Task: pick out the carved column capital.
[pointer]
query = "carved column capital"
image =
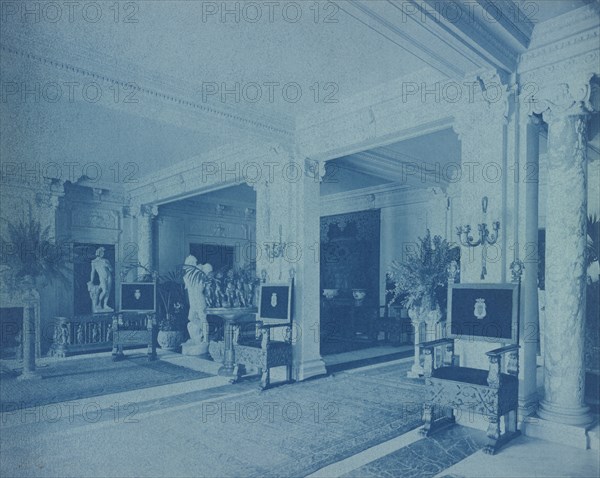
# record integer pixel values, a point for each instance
(577, 96)
(314, 169)
(148, 210)
(151, 210)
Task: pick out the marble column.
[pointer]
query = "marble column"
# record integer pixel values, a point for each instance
(145, 236)
(290, 200)
(564, 373)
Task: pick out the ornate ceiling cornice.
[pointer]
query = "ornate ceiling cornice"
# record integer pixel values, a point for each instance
(221, 167)
(406, 41)
(494, 52)
(562, 47)
(465, 38)
(152, 85)
(376, 197)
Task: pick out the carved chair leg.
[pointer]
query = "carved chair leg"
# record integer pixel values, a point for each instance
(493, 434)
(510, 422)
(236, 374)
(428, 412)
(118, 355)
(288, 373)
(151, 351)
(265, 379)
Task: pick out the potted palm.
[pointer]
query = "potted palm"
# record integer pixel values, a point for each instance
(419, 284)
(31, 260)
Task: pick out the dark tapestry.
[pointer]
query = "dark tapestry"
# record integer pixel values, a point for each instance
(350, 253)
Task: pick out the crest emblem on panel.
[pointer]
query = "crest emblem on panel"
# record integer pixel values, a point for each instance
(274, 299)
(480, 311)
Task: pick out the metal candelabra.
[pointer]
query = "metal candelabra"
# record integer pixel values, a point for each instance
(485, 237)
(276, 249)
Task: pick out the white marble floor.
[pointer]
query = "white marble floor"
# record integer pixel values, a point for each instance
(528, 457)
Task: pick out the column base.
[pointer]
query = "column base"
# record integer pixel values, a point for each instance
(29, 375)
(569, 435)
(578, 416)
(310, 369)
(416, 371)
(196, 350)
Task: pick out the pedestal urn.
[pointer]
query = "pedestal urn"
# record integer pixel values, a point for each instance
(230, 316)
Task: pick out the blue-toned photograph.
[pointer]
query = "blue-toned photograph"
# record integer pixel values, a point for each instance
(316, 238)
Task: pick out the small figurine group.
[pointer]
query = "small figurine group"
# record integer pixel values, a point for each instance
(80, 334)
(229, 291)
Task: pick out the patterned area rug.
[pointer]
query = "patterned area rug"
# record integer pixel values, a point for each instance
(290, 431)
(90, 377)
(364, 409)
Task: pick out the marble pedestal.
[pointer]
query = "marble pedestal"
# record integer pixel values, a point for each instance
(570, 435)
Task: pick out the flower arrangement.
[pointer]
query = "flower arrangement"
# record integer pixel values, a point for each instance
(420, 278)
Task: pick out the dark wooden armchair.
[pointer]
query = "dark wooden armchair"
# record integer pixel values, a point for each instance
(133, 329)
(492, 393)
(135, 324)
(266, 342)
(265, 352)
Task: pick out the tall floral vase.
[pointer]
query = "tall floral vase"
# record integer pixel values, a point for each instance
(425, 322)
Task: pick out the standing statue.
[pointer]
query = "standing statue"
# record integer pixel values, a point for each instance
(197, 325)
(100, 293)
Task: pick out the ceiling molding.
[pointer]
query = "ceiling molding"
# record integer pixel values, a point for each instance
(562, 46)
(388, 164)
(464, 43)
(397, 34)
(375, 197)
(155, 87)
(502, 12)
(216, 169)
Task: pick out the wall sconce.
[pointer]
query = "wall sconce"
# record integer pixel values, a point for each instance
(276, 249)
(485, 238)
